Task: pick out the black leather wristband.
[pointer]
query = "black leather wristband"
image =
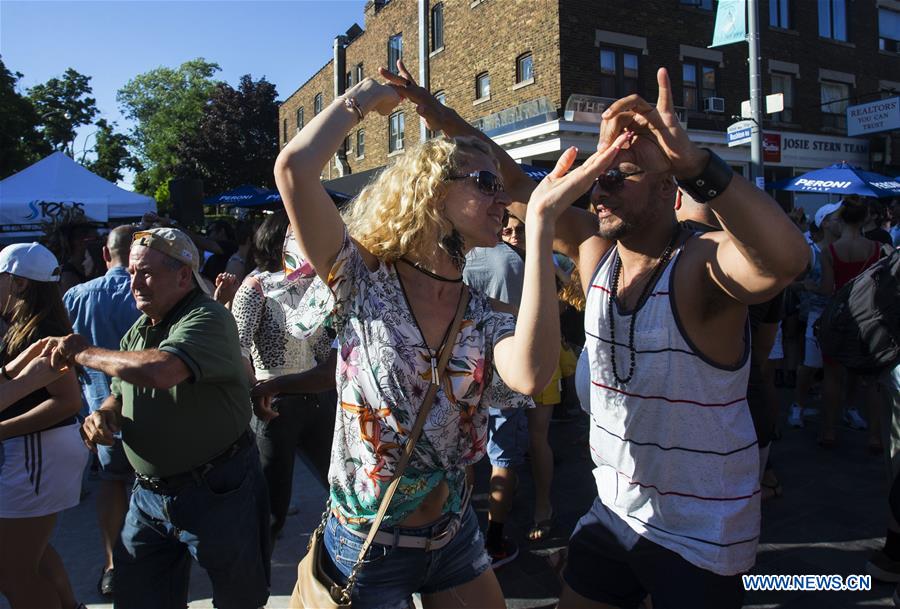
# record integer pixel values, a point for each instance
(711, 182)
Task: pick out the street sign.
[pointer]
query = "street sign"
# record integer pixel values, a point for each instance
(739, 133)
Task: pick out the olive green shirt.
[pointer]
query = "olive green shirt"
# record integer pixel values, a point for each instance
(170, 431)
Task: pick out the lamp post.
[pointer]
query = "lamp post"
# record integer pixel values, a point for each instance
(757, 171)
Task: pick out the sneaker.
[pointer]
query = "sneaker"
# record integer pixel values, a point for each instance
(882, 568)
(507, 553)
(795, 418)
(105, 585)
(854, 420)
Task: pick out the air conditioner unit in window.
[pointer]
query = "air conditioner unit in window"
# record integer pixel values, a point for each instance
(714, 104)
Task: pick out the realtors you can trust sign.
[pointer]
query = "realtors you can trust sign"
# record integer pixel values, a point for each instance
(874, 117)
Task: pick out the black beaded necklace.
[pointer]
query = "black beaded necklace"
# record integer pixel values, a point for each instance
(613, 292)
(431, 274)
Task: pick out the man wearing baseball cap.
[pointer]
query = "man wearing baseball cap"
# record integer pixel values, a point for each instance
(180, 396)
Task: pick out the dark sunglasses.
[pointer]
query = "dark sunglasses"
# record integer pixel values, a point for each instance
(612, 180)
(487, 182)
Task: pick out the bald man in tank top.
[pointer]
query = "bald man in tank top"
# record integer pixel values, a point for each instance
(675, 452)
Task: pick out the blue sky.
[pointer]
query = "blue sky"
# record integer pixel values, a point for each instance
(113, 41)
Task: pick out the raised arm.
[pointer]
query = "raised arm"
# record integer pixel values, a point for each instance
(64, 401)
(315, 220)
(526, 361)
(573, 227)
(762, 251)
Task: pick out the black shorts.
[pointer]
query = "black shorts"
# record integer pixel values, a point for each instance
(609, 563)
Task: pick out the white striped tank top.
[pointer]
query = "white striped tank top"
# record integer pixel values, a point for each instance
(675, 450)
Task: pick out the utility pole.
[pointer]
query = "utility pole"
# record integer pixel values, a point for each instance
(757, 173)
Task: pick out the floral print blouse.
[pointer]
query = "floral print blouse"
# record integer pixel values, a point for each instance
(383, 372)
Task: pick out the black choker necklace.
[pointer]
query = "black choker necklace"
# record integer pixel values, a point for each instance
(431, 274)
(613, 292)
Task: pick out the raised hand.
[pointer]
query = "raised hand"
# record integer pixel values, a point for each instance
(226, 287)
(561, 188)
(373, 95)
(428, 107)
(659, 123)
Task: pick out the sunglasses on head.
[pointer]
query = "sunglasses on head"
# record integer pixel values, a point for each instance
(487, 182)
(612, 180)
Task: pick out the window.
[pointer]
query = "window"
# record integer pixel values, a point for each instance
(706, 5)
(359, 72)
(395, 51)
(437, 27)
(784, 84)
(442, 98)
(780, 14)
(834, 104)
(299, 119)
(360, 143)
(888, 30)
(396, 127)
(317, 104)
(618, 72)
(284, 135)
(698, 83)
(349, 80)
(833, 19)
(525, 68)
(483, 86)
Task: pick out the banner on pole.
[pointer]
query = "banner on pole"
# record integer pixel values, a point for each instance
(731, 23)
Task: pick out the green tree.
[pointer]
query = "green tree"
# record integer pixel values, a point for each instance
(111, 150)
(237, 140)
(63, 105)
(21, 143)
(166, 106)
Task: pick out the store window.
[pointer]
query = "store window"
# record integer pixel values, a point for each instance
(618, 72)
(396, 126)
(482, 86)
(781, 14)
(437, 27)
(395, 51)
(525, 68)
(784, 83)
(833, 19)
(834, 104)
(698, 83)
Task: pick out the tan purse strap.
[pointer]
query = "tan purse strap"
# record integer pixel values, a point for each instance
(410, 445)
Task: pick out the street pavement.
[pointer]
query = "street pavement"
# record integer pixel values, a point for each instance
(830, 517)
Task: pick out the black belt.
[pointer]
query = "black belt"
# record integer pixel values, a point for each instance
(172, 485)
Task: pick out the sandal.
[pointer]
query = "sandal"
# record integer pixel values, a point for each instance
(541, 528)
(768, 488)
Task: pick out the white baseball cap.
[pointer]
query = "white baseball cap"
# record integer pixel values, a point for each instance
(825, 211)
(31, 261)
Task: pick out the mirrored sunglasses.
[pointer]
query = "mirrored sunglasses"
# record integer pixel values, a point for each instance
(612, 180)
(488, 183)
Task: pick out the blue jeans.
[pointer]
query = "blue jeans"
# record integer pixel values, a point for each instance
(390, 575)
(507, 437)
(222, 520)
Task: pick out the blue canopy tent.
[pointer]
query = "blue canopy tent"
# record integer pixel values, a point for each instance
(842, 179)
(252, 197)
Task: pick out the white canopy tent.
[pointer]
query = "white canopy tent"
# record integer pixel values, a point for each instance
(42, 191)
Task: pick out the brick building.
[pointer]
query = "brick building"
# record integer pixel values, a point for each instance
(536, 74)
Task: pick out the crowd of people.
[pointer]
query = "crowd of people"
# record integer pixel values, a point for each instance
(446, 314)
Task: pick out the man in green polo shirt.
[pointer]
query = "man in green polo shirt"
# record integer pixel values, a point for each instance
(181, 400)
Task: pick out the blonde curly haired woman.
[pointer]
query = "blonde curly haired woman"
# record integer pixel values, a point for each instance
(391, 280)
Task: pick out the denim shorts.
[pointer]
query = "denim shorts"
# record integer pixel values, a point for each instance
(114, 464)
(608, 562)
(390, 575)
(507, 437)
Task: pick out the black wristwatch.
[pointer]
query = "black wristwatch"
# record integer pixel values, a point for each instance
(711, 182)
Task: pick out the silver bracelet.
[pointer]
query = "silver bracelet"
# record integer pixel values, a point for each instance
(351, 103)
